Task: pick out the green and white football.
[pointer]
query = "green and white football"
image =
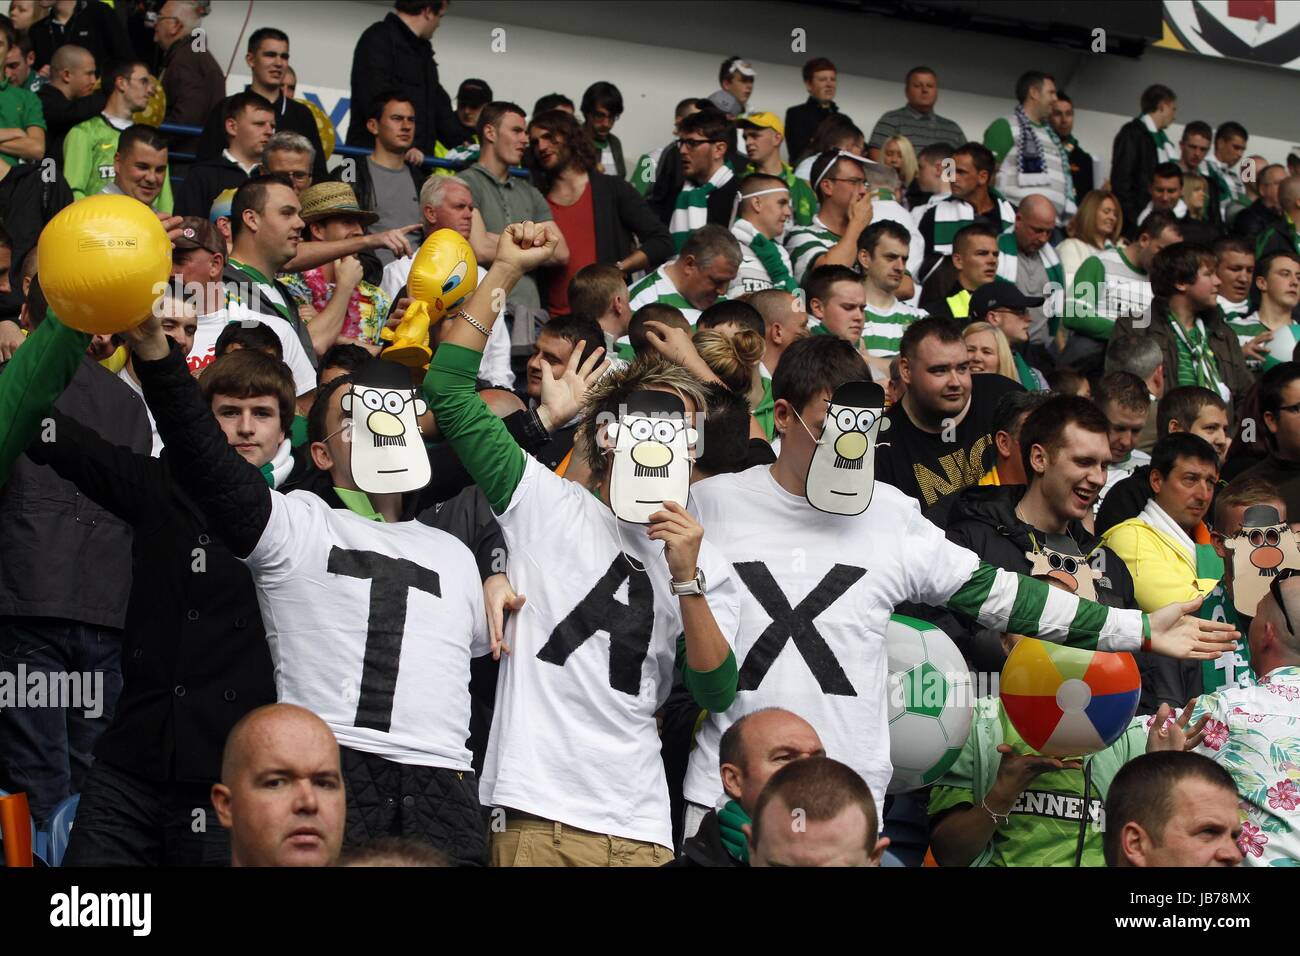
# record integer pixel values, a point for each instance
(931, 702)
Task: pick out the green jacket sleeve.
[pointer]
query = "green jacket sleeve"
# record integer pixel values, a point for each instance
(165, 202)
(76, 161)
(713, 690)
(37, 375)
(480, 439)
(1081, 311)
(998, 138)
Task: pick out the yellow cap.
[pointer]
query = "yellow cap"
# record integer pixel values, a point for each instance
(762, 121)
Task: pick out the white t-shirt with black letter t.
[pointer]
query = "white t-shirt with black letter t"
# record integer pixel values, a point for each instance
(372, 627)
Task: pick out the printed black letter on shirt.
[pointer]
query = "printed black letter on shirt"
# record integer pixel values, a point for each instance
(390, 580)
(629, 625)
(796, 623)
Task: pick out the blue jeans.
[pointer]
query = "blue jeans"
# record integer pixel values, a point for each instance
(46, 742)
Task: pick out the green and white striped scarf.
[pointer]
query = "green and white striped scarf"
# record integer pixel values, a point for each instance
(951, 214)
(1008, 268)
(1166, 151)
(691, 211)
(1196, 363)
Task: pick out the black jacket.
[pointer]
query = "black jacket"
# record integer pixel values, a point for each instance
(28, 200)
(669, 179)
(1222, 340)
(1125, 500)
(801, 122)
(290, 117)
(1080, 169)
(194, 651)
(705, 848)
(388, 55)
(984, 519)
(1256, 219)
(364, 186)
(237, 288)
(61, 554)
(203, 181)
(1133, 159)
(61, 114)
(624, 221)
(94, 26)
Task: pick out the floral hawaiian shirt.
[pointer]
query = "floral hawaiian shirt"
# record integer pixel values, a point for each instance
(1254, 734)
(367, 310)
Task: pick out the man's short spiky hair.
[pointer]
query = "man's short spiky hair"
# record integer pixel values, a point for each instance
(607, 397)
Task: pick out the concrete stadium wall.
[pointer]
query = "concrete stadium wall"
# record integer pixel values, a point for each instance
(661, 51)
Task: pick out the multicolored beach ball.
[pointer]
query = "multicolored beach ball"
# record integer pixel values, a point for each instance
(1067, 701)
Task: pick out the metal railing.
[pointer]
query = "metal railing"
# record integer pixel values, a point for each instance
(340, 149)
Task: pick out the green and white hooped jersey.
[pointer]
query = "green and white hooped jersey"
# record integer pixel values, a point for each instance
(1106, 288)
(884, 328)
(657, 287)
(806, 243)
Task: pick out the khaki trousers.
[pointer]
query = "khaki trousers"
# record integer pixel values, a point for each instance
(528, 841)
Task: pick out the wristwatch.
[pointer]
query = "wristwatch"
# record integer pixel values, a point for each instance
(694, 586)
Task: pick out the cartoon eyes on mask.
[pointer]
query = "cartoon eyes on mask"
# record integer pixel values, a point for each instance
(664, 432)
(392, 402)
(642, 430)
(457, 276)
(1260, 536)
(1060, 562)
(848, 420)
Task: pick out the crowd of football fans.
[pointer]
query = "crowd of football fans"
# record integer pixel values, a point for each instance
(1089, 379)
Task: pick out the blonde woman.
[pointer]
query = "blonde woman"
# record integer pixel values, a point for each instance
(1096, 227)
(733, 357)
(989, 351)
(898, 154)
(1195, 189)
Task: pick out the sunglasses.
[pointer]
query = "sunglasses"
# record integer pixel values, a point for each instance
(1275, 589)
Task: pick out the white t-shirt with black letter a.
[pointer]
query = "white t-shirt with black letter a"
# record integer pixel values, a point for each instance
(372, 627)
(592, 653)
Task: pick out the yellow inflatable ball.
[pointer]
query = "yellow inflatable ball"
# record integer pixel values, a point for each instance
(155, 109)
(328, 136)
(104, 261)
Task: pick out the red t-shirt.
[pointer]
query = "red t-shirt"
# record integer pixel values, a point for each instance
(578, 225)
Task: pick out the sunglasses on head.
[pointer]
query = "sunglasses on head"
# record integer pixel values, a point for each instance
(1275, 589)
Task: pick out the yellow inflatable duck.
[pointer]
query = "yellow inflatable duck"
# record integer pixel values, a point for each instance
(443, 275)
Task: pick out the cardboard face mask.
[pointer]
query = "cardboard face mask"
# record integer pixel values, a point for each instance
(842, 473)
(1071, 571)
(387, 450)
(651, 443)
(1263, 547)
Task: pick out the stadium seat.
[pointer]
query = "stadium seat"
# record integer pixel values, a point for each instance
(58, 831)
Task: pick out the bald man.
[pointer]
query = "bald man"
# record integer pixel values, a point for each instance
(1251, 729)
(281, 790)
(1026, 259)
(815, 812)
(1281, 237)
(69, 97)
(751, 750)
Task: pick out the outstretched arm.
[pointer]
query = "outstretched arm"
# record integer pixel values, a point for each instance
(482, 442)
(231, 492)
(37, 375)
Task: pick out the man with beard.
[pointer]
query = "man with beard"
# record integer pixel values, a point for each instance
(601, 216)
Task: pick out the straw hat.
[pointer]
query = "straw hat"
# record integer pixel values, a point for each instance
(329, 199)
